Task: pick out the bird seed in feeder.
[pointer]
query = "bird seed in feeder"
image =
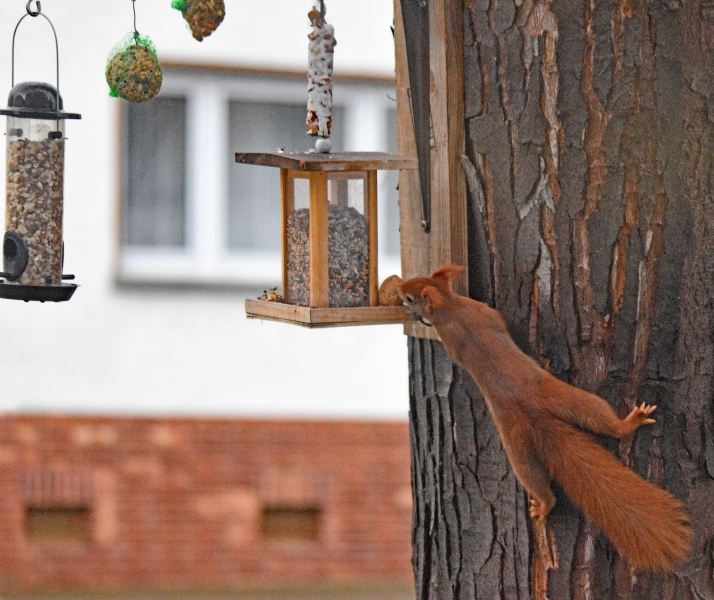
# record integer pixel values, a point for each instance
(347, 252)
(34, 206)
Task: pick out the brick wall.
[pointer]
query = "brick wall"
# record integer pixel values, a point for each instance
(123, 503)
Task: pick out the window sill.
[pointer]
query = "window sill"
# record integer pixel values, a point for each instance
(181, 267)
(174, 269)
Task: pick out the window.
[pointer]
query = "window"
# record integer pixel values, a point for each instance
(291, 523)
(253, 223)
(57, 524)
(190, 214)
(57, 505)
(156, 200)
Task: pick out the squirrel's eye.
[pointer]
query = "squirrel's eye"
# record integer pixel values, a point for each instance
(409, 298)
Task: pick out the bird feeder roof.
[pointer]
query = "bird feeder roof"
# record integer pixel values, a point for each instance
(339, 161)
(36, 100)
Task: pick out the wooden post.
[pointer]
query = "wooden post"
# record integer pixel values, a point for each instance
(338, 193)
(447, 242)
(287, 207)
(370, 211)
(319, 250)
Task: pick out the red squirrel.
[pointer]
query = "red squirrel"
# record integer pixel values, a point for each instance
(542, 422)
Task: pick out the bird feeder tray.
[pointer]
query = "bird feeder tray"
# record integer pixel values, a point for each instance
(325, 317)
(329, 238)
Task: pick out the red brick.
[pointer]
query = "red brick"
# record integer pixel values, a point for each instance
(178, 502)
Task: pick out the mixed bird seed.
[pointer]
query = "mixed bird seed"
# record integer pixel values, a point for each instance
(348, 257)
(34, 206)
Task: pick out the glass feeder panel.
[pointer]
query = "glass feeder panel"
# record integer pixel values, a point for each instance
(33, 208)
(348, 257)
(301, 198)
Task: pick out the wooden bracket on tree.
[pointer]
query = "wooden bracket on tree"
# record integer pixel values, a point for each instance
(446, 241)
(415, 19)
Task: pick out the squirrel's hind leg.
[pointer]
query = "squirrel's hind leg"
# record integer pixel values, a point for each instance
(533, 476)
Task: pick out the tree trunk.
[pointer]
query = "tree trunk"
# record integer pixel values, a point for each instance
(589, 135)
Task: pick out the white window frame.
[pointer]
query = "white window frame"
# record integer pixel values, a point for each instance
(206, 258)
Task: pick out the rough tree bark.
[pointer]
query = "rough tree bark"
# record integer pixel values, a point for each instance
(589, 127)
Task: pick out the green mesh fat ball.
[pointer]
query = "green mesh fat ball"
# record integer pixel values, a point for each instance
(133, 70)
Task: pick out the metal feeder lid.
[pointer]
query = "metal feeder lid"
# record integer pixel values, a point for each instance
(36, 100)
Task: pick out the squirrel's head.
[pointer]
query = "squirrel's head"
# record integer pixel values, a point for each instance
(423, 296)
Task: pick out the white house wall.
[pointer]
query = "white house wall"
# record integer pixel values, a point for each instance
(157, 351)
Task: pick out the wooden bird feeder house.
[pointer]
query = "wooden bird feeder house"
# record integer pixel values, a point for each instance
(329, 239)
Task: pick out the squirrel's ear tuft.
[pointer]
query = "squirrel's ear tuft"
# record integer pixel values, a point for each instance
(432, 297)
(443, 276)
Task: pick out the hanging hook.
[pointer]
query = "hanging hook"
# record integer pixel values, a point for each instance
(323, 10)
(33, 13)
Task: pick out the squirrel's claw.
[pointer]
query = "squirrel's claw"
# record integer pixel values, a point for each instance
(537, 509)
(638, 416)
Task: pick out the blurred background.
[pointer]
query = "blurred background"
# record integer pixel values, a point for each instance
(152, 439)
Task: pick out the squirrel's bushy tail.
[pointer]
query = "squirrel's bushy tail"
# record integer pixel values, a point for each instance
(645, 523)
